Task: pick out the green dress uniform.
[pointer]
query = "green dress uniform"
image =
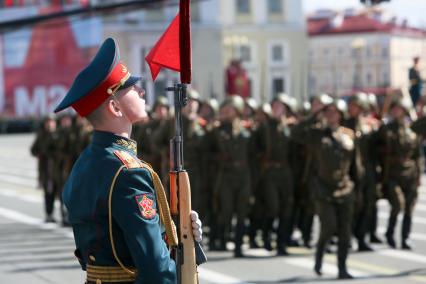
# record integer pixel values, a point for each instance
(334, 152)
(136, 238)
(116, 203)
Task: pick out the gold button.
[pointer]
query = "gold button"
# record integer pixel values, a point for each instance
(92, 258)
(98, 281)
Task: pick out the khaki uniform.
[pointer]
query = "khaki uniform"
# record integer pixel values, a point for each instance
(308, 185)
(277, 179)
(148, 151)
(231, 145)
(64, 159)
(365, 179)
(402, 167)
(194, 156)
(334, 150)
(44, 148)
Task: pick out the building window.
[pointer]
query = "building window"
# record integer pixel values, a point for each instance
(369, 79)
(275, 6)
(243, 6)
(278, 86)
(368, 52)
(277, 53)
(245, 53)
(385, 52)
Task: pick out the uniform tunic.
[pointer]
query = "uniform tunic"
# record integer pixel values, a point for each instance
(136, 230)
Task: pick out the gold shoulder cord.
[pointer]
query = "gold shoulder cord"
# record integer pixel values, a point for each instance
(164, 213)
(163, 205)
(130, 272)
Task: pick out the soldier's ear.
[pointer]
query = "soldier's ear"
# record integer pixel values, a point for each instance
(113, 107)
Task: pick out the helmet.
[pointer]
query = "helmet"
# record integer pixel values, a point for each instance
(372, 100)
(161, 101)
(340, 104)
(323, 98)
(290, 102)
(360, 99)
(305, 107)
(252, 103)
(214, 104)
(235, 101)
(403, 102)
(193, 95)
(266, 109)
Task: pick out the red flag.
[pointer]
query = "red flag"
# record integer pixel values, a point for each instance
(173, 50)
(166, 53)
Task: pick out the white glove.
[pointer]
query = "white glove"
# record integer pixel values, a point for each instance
(197, 230)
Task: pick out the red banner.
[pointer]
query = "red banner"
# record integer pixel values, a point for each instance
(52, 61)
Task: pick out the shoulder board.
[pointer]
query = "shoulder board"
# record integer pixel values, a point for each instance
(128, 160)
(348, 131)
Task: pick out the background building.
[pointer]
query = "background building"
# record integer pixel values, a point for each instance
(267, 36)
(367, 49)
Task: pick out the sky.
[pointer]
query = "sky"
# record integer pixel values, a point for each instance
(412, 10)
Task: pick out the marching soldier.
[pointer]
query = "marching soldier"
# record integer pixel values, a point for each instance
(365, 184)
(44, 148)
(402, 168)
(334, 147)
(277, 175)
(231, 146)
(82, 136)
(194, 147)
(309, 171)
(64, 159)
(373, 119)
(113, 198)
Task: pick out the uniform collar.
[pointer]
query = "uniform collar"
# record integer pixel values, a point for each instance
(108, 139)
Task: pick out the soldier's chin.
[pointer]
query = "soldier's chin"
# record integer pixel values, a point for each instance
(141, 116)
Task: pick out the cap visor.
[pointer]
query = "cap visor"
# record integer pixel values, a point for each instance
(130, 82)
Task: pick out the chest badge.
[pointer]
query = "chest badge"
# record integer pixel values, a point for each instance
(146, 205)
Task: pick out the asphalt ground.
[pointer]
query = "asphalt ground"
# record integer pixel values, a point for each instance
(34, 252)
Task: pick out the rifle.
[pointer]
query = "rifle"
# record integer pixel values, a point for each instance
(188, 253)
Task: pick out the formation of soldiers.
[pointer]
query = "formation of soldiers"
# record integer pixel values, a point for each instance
(58, 144)
(264, 171)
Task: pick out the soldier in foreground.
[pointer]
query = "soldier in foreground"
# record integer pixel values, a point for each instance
(334, 148)
(111, 195)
